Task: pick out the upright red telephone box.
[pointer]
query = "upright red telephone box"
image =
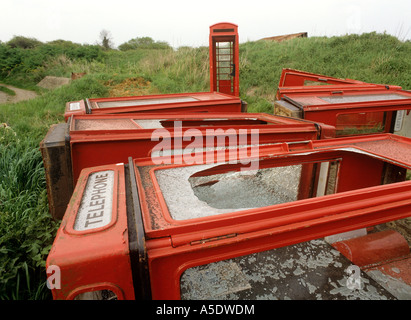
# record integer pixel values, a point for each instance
(224, 58)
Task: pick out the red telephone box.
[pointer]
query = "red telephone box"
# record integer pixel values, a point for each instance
(352, 113)
(135, 229)
(297, 78)
(224, 58)
(93, 140)
(353, 107)
(295, 81)
(194, 102)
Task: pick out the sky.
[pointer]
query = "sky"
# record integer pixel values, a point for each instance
(187, 22)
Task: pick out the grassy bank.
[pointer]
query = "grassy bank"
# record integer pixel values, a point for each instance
(7, 91)
(26, 230)
(376, 58)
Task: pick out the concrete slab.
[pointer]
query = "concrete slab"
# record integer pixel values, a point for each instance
(50, 82)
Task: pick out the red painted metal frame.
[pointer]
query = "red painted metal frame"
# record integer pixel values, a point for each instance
(174, 246)
(297, 78)
(334, 89)
(293, 81)
(374, 248)
(308, 100)
(205, 102)
(97, 147)
(316, 109)
(80, 255)
(79, 110)
(224, 32)
(386, 251)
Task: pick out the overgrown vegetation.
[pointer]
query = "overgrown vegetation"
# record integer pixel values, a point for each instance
(26, 63)
(26, 232)
(143, 43)
(7, 91)
(26, 229)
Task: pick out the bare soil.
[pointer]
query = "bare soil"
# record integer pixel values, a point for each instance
(130, 87)
(21, 95)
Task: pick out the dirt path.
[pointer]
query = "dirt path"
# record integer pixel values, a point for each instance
(21, 95)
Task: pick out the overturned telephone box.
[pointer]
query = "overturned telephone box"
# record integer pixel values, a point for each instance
(93, 140)
(296, 81)
(165, 103)
(153, 229)
(353, 107)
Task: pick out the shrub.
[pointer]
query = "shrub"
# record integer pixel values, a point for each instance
(23, 42)
(143, 43)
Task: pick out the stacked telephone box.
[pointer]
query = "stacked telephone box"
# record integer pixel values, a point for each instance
(353, 107)
(188, 196)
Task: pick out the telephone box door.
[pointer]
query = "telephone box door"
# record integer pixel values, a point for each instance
(224, 58)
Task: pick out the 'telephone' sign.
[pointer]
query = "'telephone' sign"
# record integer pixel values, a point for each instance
(97, 203)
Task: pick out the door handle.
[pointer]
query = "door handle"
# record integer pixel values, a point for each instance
(233, 72)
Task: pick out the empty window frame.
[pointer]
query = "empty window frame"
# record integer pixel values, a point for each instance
(360, 123)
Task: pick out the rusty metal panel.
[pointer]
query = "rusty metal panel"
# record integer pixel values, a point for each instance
(55, 150)
(287, 109)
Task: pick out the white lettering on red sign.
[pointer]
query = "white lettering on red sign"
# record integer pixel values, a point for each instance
(97, 203)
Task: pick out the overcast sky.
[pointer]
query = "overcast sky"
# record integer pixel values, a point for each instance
(186, 22)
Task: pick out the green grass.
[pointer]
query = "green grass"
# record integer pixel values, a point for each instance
(7, 91)
(371, 57)
(26, 229)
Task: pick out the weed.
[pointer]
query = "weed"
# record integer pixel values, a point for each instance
(26, 228)
(7, 91)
